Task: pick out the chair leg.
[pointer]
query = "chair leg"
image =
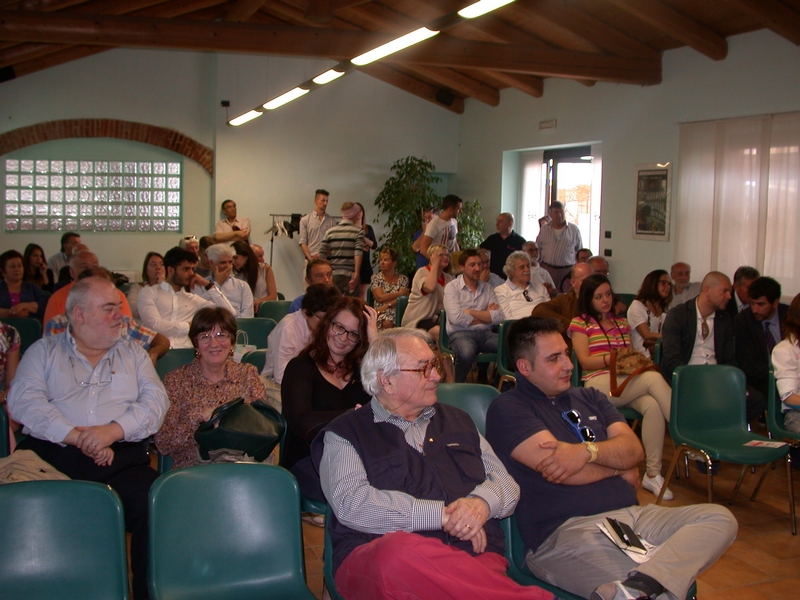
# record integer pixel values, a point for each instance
(739, 484)
(672, 467)
(758, 485)
(791, 493)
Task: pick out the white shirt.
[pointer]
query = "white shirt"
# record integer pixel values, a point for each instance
(541, 275)
(284, 343)
(786, 361)
(511, 299)
(704, 352)
(313, 229)
(458, 298)
(225, 227)
(443, 232)
(169, 312)
(238, 294)
(639, 314)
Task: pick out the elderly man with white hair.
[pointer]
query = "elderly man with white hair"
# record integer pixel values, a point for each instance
(518, 295)
(238, 293)
(415, 490)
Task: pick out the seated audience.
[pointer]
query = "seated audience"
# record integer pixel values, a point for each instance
(757, 329)
(190, 243)
(57, 261)
(318, 270)
(682, 289)
(80, 261)
(237, 291)
(294, 332)
(36, 271)
(210, 380)
(415, 490)
(168, 308)
(786, 361)
(387, 286)
(740, 297)
(539, 273)
(502, 243)
(427, 292)
(323, 382)
(518, 295)
(576, 461)
(583, 255)
(648, 311)
(595, 333)
(18, 298)
(258, 275)
(203, 268)
(66, 275)
(152, 274)
(89, 403)
(564, 308)
(486, 274)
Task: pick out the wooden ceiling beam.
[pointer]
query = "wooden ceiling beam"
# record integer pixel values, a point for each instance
(529, 84)
(773, 14)
(319, 11)
(68, 54)
(412, 85)
(242, 10)
(676, 25)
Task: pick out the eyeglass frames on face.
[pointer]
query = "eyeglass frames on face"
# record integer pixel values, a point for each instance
(220, 336)
(573, 418)
(101, 383)
(427, 369)
(338, 329)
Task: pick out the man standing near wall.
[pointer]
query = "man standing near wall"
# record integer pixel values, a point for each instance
(232, 228)
(558, 243)
(443, 227)
(313, 228)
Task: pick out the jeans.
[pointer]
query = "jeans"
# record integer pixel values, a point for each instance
(467, 344)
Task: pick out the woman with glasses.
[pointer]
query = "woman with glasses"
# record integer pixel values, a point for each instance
(323, 382)
(647, 313)
(211, 380)
(595, 332)
(153, 273)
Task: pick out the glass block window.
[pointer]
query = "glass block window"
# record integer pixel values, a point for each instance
(86, 195)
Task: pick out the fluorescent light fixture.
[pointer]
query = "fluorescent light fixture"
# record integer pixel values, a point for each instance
(482, 7)
(409, 39)
(285, 98)
(327, 77)
(245, 118)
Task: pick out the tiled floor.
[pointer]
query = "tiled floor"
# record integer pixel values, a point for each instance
(762, 564)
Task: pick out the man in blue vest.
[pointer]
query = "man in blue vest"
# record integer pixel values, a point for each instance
(415, 490)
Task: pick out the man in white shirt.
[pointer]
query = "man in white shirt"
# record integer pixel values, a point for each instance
(168, 307)
(232, 228)
(443, 227)
(518, 296)
(682, 289)
(237, 291)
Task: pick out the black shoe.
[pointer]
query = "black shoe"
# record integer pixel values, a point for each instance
(715, 466)
(794, 454)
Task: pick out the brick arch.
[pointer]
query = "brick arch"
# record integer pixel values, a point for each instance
(109, 128)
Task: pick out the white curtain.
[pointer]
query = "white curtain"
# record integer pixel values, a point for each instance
(738, 197)
(532, 175)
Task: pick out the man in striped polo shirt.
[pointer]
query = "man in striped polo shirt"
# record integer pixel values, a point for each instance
(558, 244)
(342, 245)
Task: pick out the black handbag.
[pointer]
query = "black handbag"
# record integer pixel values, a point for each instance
(254, 429)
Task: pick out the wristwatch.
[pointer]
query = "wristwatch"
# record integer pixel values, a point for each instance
(592, 448)
(209, 286)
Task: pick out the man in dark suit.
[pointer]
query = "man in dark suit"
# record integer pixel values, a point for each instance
(700, 332)
(743, 278)
(757, 329)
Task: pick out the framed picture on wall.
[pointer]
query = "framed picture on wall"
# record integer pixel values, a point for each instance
(653, 202)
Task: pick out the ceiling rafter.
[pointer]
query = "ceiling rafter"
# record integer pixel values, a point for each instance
(773, 14)
(242, 10)
(677, 25)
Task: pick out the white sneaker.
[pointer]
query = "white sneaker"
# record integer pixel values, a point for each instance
(654, 484)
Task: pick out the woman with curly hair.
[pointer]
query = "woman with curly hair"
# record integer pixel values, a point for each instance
(648, 311)
(259, 276)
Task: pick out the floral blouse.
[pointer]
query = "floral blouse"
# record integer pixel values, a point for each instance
(379, 281)
(190, 393)
(9, 341)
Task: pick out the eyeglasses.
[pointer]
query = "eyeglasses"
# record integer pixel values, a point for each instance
(427, 369)
(338, 329)
(220, 336)
(527, 296)
(664, 282)
(573, 419)
(86, 384)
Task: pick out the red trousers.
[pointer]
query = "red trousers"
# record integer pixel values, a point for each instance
(408, 566)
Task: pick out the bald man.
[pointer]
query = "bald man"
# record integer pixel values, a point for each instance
(501, 244)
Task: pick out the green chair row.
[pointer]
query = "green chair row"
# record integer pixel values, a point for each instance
(274, 309)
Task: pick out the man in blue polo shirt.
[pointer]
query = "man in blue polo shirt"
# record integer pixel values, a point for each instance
(577, 463)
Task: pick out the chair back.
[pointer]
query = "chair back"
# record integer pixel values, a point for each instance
(775, 414)
(29, 330)
(257, 358)
(399, 310)
(504, 367)
(62, 540)
(226, 531)
(281, 296)
(257, 329)
(444, 337)
(627, 298)
(707, 398)
(577, 371)
(174, 358)
(5, 439)
(473, 398)
(274, 309)
(370, 297)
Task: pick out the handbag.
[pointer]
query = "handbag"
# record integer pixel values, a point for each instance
(254, 429)
(631, 370)
(239, 350)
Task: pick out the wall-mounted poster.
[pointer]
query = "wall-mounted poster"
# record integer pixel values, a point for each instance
(653, 199)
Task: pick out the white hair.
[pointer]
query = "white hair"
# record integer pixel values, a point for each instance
(382, 357)
(511, 261)
(217, 251)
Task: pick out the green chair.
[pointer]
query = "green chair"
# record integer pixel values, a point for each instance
(473, 398)
(775, 414)
(257, 330)
(281, 296)
(327, 562)
(708, 416)
(5, 446)
(627, 298)
(29, 330)
(257, 358)
(399, 310)
(228, 531)
(504, 367)
(62, 540)
(370, 297)
(125, 288)
(274, 309)
(444, 338)
(174, 358)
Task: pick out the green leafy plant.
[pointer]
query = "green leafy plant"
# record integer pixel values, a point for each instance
(470, 225)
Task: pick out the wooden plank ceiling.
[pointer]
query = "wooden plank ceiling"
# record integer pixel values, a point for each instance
(517, 46)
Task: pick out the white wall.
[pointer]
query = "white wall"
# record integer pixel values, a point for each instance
(635, 125)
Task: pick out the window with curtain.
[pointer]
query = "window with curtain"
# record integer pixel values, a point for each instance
(738, 199)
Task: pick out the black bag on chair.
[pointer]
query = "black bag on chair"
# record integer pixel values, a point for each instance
(254, 429)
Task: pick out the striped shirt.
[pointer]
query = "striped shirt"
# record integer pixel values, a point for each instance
(559, 249)
(601, 341)
(133, 331)
(364, 508)
(341, 245)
